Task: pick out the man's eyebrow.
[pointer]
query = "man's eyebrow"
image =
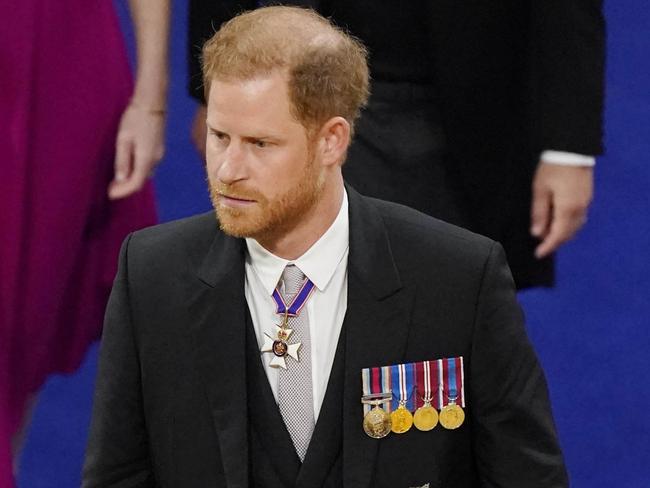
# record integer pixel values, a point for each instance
(261, 135)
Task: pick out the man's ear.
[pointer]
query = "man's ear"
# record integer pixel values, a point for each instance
(333, 141)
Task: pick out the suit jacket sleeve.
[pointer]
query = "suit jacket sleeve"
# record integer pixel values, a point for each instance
(117, 453)
(568, 61)
(515, 440)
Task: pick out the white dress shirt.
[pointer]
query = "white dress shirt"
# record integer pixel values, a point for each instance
(563, 158)
(326, 265)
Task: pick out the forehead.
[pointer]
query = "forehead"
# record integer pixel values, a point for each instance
(256, 103)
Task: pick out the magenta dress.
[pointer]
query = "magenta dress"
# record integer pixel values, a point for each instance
(64, 82)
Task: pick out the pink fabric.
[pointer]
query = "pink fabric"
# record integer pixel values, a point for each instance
(64, 81)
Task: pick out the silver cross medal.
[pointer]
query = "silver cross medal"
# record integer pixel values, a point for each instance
(279, 346)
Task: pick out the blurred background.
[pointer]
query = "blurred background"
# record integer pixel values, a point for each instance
(592, 332)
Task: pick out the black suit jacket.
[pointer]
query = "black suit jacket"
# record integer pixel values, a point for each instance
(513, 78)
(171, 396)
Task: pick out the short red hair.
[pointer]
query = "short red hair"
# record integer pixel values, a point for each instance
(327, 69)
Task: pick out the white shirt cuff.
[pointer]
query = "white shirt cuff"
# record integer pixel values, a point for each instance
(563, 158)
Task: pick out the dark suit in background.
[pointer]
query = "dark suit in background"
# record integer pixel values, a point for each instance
(182, 399)
(466, 95)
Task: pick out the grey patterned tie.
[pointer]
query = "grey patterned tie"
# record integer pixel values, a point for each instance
(295, 398)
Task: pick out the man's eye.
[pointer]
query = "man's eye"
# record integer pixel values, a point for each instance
(261, 144)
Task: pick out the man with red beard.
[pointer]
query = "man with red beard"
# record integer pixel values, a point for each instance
(315, 336)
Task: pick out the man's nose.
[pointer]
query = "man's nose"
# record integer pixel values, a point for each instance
(233, 164)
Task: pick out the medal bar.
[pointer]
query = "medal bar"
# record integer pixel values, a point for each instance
(423, 394)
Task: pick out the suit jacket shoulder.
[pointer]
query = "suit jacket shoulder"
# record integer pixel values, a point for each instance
(422, 244)
(174, 249)
(188, 235)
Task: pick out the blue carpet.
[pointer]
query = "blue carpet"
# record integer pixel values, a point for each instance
(592, 332)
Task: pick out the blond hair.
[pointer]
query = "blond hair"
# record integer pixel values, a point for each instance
(327, 69)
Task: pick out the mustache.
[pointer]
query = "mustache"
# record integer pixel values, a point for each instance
(234, 191)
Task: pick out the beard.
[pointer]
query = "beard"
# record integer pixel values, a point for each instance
(268, 218)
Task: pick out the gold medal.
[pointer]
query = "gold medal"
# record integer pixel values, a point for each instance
(401, 419)
(426, 417)
(377, 423)
(452, 416)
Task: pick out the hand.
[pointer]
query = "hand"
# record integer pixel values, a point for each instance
(139, 147)
(561, 197)
(200, 130)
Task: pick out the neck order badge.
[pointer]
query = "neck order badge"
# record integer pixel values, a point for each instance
(279, 345)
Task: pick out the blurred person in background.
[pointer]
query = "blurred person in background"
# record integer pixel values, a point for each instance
(486, 115)
(79, 142)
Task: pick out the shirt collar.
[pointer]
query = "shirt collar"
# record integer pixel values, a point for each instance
(318, 263)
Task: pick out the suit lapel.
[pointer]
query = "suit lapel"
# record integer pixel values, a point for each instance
(217, 313)
(377, 324)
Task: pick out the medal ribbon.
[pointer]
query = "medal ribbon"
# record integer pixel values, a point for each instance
(427, 381)
(403, 375)
(440, 380)
(298, 301)
(409, 377)
(439, 375)
(376, 380)
(454, 381)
